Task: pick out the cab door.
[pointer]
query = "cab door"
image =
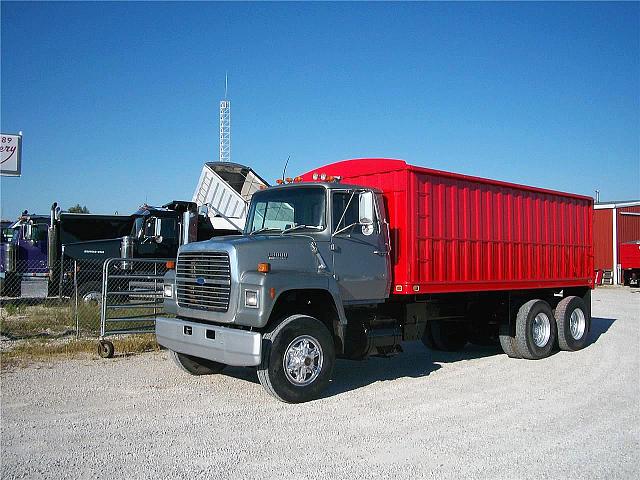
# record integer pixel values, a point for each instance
(360, 257)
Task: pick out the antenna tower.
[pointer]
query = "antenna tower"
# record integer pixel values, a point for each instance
(225, 126)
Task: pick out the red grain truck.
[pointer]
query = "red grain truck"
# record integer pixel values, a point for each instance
(352, 258)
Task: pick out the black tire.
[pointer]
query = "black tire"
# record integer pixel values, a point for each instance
(448, 336)
(508, 342)
(89, 293)
(525, 340)
(106, 349)
(194, 365)
(427, 337)
(483, 339)
(276, 343)
(568, 340)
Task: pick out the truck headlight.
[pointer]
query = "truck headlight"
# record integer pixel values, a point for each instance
(168, 290)
(251, 298)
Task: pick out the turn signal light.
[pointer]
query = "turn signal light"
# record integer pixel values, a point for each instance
(264, 267)
(171, 265)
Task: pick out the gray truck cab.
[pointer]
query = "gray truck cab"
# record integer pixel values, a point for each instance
(309, 253)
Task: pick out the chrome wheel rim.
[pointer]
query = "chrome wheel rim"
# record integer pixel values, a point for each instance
(577, 324)
(91, 297)
(302, 360)
(541, 329)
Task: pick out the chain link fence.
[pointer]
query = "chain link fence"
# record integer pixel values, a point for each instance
(71, 300)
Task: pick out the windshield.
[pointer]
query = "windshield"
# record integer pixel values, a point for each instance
(136, 231)
(278, 210)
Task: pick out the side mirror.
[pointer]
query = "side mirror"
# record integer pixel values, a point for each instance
(365, 208)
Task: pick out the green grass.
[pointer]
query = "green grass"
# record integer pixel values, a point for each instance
(26, 352)
(48, 330)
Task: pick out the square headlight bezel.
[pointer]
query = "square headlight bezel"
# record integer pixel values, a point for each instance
(251, 294)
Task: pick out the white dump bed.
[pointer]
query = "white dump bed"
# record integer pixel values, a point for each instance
(225, 189)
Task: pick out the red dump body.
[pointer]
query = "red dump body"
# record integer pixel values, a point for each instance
(456, 233)
(630, 255)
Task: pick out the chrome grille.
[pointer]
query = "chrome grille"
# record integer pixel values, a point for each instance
(203, 281)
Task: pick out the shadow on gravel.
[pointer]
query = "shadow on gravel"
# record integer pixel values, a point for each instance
(415, 362)
(599, 326)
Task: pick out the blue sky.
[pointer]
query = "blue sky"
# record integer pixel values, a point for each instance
(118, 102)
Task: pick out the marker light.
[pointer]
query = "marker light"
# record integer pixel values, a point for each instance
(171, 265)
(323, 176)
(315, 176)
(279, 181)
(289, 179)
(264, 267)
(297, 179)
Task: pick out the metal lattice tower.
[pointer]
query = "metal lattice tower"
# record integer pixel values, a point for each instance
(225, 127)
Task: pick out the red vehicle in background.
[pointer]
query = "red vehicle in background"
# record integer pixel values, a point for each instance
(630, 263)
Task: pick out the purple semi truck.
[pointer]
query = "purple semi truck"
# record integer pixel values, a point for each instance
(30, 251)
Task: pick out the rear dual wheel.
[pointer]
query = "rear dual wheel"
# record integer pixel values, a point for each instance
(574, 323)
(536, 331)
(444, 336)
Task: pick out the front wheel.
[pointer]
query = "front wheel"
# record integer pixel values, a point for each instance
(195, 365)
(89, 293)
(297, 359)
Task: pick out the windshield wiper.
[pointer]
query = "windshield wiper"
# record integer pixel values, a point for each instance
(298, 227)
(264, 229)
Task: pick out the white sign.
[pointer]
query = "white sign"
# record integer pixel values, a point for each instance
(11, 151)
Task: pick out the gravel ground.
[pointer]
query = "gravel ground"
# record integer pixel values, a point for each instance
(419, 414)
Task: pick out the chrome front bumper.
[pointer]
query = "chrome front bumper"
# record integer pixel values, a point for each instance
(220, 344)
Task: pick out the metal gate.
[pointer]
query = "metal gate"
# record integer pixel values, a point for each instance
(132, 297)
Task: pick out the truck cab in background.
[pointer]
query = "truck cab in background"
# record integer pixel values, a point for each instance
(153, 232)
(23, 252)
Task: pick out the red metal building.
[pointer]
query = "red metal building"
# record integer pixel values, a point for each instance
(614, 223)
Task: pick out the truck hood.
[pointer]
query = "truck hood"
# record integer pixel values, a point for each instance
(287, 252)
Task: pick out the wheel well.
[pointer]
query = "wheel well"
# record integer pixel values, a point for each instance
(313, 302)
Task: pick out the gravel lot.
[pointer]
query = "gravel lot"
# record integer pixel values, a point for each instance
(419, 414)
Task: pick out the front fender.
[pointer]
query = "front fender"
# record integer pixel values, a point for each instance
(282, 282)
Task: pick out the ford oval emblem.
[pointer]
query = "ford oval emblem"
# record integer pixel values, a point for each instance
(200, 281)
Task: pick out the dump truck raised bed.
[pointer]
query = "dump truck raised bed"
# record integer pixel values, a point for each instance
(353, 258)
